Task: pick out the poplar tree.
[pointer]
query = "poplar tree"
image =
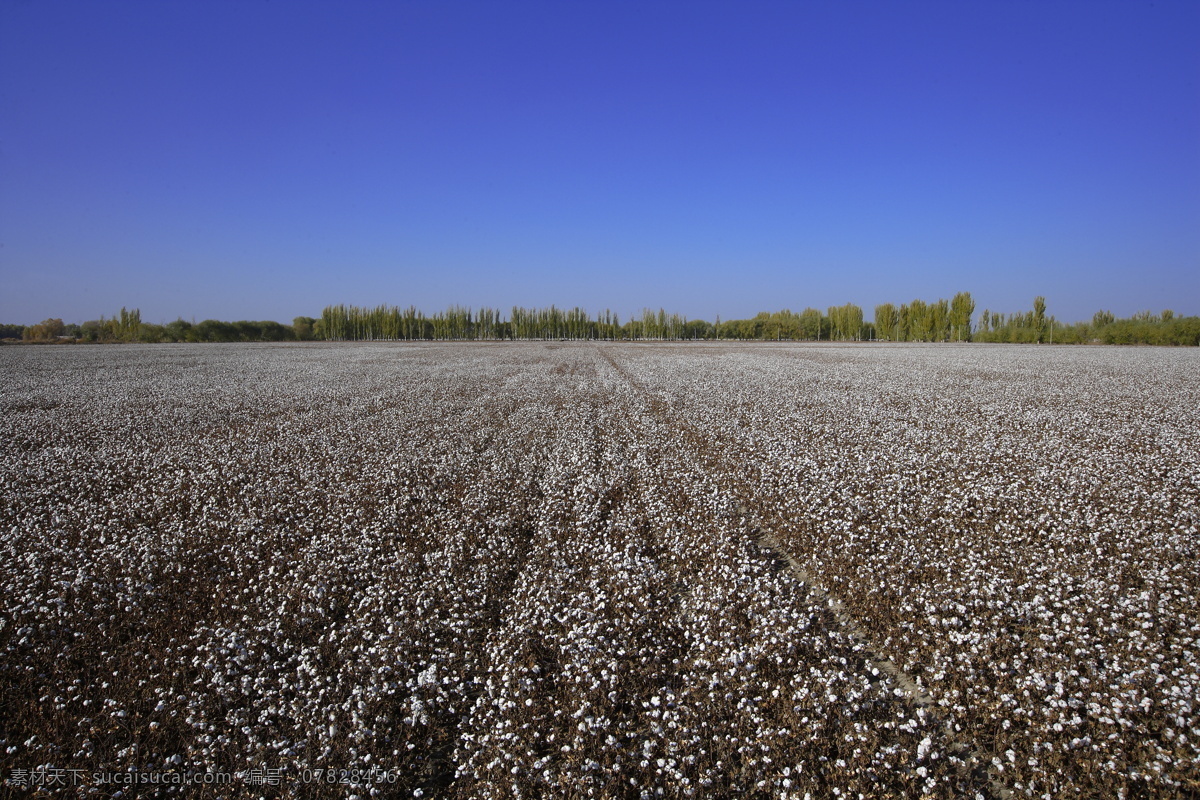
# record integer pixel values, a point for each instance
(887, 319)
(961, 309)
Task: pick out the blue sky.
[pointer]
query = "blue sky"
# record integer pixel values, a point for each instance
(259, 160)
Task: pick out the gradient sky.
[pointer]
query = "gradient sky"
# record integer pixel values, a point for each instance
(259, 160)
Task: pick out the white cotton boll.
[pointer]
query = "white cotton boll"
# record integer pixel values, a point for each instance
(923, 748)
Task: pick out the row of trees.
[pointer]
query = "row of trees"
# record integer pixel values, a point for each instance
(391, 323)
(918, 321)
(1035, 325)
(127, 326)
(842, 322)
(1144, 327)
(779, 325)
(1026, 326)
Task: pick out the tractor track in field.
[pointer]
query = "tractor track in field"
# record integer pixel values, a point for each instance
(978, 759)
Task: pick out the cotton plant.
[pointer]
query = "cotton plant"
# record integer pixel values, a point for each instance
(609, 571)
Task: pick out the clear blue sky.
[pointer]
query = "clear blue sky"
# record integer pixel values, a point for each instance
(258, 160)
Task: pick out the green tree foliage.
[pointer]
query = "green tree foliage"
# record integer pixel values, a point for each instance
(1039, 317)
(785, 325)
(1162, 330)
(1023, 327)
(126, 326)
(918, 321)
(149, 333)
(302, 328)
(846, 322)
(389, 323)
(658, 325)
(813, 324)
(698, 329)
(887, 322)
(91, 330)
(962, 307)
(178, 331)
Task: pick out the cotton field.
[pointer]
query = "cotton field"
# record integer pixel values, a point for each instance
(600, 570)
